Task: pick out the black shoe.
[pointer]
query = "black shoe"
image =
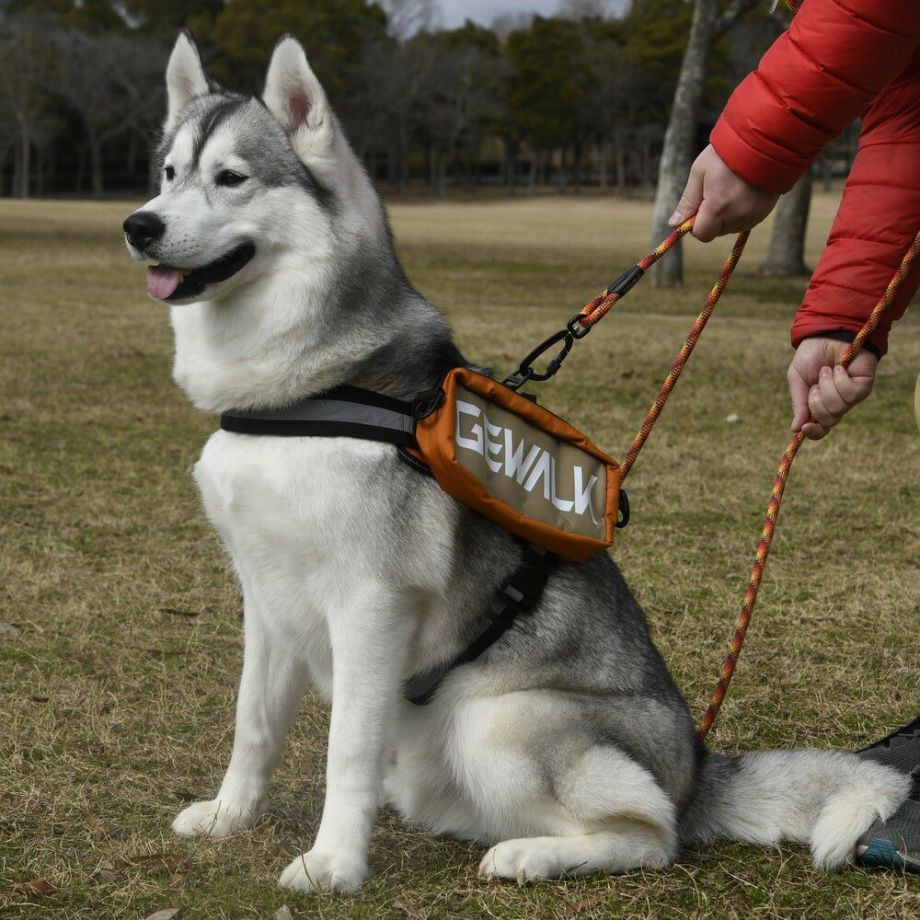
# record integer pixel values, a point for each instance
(900, 749)
(895, 843)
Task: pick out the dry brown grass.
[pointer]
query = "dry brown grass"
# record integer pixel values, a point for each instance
(120, 648)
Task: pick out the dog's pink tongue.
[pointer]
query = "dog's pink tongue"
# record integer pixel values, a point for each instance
(162, 281)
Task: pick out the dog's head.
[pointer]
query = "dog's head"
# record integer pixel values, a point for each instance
(247, 185)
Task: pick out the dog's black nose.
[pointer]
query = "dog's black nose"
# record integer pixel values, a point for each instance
(142, 228)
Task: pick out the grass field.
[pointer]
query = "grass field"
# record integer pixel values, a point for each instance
(120, 640)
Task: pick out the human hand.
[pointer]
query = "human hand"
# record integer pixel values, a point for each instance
(821, 392)
(722, 201)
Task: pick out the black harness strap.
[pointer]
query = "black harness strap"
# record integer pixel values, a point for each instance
(345, 412)
(519, 595)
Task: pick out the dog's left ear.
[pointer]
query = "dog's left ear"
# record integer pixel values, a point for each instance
(296, 98)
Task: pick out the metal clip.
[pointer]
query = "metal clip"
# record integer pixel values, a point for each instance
(526, 370)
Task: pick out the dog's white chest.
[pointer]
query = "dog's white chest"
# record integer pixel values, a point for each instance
(291, 515)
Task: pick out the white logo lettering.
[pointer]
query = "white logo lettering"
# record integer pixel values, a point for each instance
(475, 442)
(529, 468)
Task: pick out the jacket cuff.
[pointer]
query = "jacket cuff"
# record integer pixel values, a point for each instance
(743, 160)
(839, 335)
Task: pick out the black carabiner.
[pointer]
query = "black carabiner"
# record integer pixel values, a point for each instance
(526, 370)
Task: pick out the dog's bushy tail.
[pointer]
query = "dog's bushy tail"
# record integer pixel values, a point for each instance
(826, 799)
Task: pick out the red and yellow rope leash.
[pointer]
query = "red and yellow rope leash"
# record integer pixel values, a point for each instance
(779, 485)
(597, 309)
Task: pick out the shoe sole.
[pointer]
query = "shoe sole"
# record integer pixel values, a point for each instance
(881, 853)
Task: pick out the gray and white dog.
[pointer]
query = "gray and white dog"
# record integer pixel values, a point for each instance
(566, 748)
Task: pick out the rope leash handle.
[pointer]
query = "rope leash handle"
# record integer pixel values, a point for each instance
(779, 484)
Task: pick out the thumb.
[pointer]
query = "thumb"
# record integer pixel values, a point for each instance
(690, 199)
(798, 394)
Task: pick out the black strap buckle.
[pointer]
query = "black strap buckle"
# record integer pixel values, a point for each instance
(426, 402)
(623, 517)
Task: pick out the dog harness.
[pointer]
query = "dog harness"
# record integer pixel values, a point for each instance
(492, 449)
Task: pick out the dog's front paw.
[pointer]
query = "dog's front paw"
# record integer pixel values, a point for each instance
(323, 870)
(216, 818)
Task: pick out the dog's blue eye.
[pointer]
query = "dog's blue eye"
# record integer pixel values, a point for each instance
(170, 173)
(230, 178)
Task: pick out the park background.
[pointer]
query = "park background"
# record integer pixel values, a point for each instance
(526, 161)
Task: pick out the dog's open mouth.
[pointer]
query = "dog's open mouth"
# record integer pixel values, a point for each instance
(164, 282)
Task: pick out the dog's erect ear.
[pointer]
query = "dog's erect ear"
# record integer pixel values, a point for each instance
(296, 98)
(185, 78)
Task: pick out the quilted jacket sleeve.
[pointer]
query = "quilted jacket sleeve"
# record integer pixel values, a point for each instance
(876, 222)
(816, 78)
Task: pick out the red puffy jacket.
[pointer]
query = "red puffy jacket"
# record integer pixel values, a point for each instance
(840, 59)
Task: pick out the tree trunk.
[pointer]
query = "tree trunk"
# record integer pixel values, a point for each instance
(620, 161)
(24, 163)
(786, 255)
(95, 159)
(131, 158)
(40, 172)
(511, 156)
(604, 151)
(562, 175)
(440, 174)
(677, 153)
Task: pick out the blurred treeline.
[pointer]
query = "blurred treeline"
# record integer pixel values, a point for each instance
(579, 98)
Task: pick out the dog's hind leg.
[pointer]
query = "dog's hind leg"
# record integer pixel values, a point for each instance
(536, 776)
(271, 688)
(616, 816)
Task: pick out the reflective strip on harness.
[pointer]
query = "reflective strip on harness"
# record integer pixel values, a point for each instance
(346, 412)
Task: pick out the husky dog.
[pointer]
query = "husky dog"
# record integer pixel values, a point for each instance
(566, 747)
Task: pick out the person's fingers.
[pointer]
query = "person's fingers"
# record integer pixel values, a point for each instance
(831, 396)
(708, 224)
(856, 382)
(798, 394)
(813, 431)
(819, 411)
(853, 389)
(691, 198)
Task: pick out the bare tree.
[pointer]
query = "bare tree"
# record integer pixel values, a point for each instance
(25, 68)
(507, 23)
(406, 18)
(678, 149)
(786, 255)
(455, 100)
(92, 80)
(583, 9)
